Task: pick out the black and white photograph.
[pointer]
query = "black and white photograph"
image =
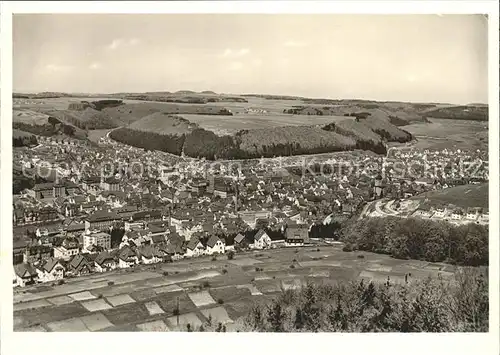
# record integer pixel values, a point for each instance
(251, 172)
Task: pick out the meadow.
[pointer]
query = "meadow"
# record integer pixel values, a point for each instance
(221, 125)
(147, 296)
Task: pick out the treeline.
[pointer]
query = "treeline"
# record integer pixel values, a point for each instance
(460, 113)
(411, 238)
(429, 305)
(23, 140)
(149, 140)
(52, 128)
(255, 143)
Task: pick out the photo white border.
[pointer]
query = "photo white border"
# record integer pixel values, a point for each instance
(245, 343)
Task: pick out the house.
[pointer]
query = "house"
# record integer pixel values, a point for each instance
(110, 184)
(50, 270)
(79, 265)
(68, 248)
(215, 246)
(175, 252)
(105, 262)
(240, 241)
(296, 235)
(25, 274)
(473, 214)
(194, 248)
(99, 239)
(101, 220)
(127, 258)
(150, 255)
(439, 213)
(261, 240)
(47, 191)
(36, 253)
(422, 213)
(91, 183)
(457, 214)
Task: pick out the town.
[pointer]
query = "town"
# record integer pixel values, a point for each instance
(83, 207)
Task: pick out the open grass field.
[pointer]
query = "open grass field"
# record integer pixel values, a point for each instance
(232, 124)
(462, 196)
(144, 299)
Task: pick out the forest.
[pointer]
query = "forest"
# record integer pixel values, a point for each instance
(429, 305)
(411, 238)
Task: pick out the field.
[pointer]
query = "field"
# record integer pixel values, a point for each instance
(146, 298)
(448, 133)
(29, 117)
(462, 196)
(232, 124)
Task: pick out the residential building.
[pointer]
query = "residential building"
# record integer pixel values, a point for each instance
(25, 274)
(127, 258)
(261, 240)
(215, 246)
(101, 220)
(50, 270)
(105, 262)
(79, 265)
(68, 248)
(194, 248)
(100, 239)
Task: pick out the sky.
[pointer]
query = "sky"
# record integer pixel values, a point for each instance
(416, 58)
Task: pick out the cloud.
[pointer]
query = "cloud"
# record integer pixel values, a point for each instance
(292, 43)
(235, 66)
(58, 68)
(120, 42)
(95, 65)
(235, 53)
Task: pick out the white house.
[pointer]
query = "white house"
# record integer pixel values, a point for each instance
(215, 245)
(439, 213)
(127, 258)
(149, 255)
(69, 248)
(50, 270)
(105, 262)
(25, 274)
(261, 240)
(194, 248)
(472, 214)
(456, 215)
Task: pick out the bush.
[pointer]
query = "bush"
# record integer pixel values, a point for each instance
(224, 271)
(347, 248)
(220, 301)
(214, 258)
(205, 284)
(61, 282)
(165, 273)
(318, 249)
(360, 256)
(99, 295)
(292, 266)
(230, 255)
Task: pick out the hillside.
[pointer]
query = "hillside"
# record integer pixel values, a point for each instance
(292, 141)
(86, 118)
(464, 196)
(387, 130)
(472, 113)
(163, 122)
(396, 114)
(22, 139)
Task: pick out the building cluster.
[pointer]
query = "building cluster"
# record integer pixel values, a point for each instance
(108, 206)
